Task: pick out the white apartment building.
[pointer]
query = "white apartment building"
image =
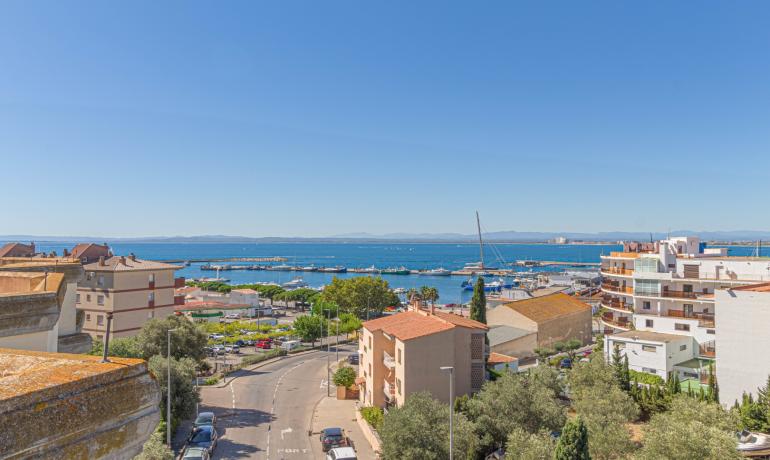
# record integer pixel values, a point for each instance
(652, 291)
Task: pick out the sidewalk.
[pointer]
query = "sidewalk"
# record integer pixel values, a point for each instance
(331, 412)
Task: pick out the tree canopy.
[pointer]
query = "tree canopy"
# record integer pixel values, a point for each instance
(310, 328)
(419, 430)
(186, 341)
(184, 395)
(362, 296)
(691, 429)
(479, 302)
(527, 400)
(573, 442)
(522, 445)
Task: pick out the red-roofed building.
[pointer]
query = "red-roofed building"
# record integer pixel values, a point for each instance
(90, 252)
(402, 354)
(17, 250)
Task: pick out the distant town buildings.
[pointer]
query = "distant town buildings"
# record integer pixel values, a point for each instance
(517, 328)
(132, 290)
(17, 250)
(666, 303)
(402, 354)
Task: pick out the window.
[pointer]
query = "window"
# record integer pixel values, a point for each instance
(99, 337)
(88, 297)
(90, 275)
(682, 347)
(370, 368)
(681, 327)
(152, 277)
(650, 348)
(100, 280)
(646, 305)
(399, 356)
(88, 317)
(370, 342)
(77, 298)
(100, 300)
(398, 385)
(100, 320)
(710, 331)
(647, 287)
(151, 297)
(151, 314)
(649, 370)
(648, 323)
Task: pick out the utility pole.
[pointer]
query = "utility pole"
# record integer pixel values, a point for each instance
(451, 407)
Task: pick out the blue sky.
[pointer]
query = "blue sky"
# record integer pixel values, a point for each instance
(320, 118)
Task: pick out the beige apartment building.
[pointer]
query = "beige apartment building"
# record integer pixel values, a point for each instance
(131, 289)
(402, 354)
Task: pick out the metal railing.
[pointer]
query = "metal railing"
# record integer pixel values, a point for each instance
(704, 319)
(617, 288)
(708, 349)
(617, 271)
(388, 360)
(389, 389)
(619, 322)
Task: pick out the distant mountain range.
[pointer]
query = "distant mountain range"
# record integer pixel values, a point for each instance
(505, 236)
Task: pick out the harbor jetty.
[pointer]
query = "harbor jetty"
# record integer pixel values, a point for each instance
(226, 259)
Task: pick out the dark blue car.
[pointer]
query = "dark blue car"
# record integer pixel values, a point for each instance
(203, 436)
(566, 363)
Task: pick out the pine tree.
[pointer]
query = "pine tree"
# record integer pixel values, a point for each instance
(713, 391)
(677, 385)
(625, 375)
(573, 442)
(479, 302)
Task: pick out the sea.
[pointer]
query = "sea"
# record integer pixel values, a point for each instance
(415, 256)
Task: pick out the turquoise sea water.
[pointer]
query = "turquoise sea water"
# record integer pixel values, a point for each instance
(416, 256)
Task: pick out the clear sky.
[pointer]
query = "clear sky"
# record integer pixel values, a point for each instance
(318, 118)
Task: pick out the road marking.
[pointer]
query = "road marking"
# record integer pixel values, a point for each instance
(272, 406)
(284, 432)
(232, 390)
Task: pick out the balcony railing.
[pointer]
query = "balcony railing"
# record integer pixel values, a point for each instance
(389, 389)
(708, 349)
(617, 304)
(624, 255)
(617, 271)
(617, 288)
(704, 319)
(388, 360)
(678, 294)
(620, 322)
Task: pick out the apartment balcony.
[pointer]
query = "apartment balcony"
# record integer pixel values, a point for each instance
(388, 360)
(686, 295)
(615, 321)
(704, 319)
(179, 282)
(708, 349)
(615, 303)
(616, 288)
(616, 271)
(389, 389)
(622, 255)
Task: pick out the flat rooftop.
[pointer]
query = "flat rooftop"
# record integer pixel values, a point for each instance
(650, 336)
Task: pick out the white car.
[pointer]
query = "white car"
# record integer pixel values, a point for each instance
(341, 453)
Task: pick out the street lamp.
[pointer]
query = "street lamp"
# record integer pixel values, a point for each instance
(168, 389)
(451, 407)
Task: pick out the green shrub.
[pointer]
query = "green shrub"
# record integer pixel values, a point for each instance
(644, 377)
(373, 416)
(213, 380)
(254, 359)
(344, 377)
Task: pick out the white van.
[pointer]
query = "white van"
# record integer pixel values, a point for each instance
(289, 345)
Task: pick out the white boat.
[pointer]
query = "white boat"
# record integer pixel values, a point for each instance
(436, 272)
(309, 268)
(279, 268)
(295, 283)
(371, 269)
(399, 291)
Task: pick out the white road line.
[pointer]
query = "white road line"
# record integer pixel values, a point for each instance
(272, 406)
(232, 390)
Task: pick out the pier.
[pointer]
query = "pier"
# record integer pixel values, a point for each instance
(227, 259)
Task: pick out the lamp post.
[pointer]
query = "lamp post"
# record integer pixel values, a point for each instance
(168, 389)
(451, 407)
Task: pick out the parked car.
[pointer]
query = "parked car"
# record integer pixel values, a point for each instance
(341, 453)
(204, 436)
(236, 349)
(566, 363)
(228, 349)
(240, 343)
(290, 345)
(249, 343)
(196, 453)
(216, 336)
(333, 437)
(263, 344)
(219, 349)
(353, 358)
(205, 418)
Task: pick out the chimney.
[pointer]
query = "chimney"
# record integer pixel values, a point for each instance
(123, 260)
(101, 261)
(132, 256)
(65, 252)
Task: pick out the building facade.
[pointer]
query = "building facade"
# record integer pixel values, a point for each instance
(132, 290)
(402, 354)
(668, 287)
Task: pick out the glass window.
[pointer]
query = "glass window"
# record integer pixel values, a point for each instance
(151, 297)
(100, 280)
(152, 277)
(710, 331)
(646, 305)
(100, 300)
(88, 297)
(77, 298)
(647, 287)
(646, 265)
(88, 316)
(682, 347)
(648, 323)
(650, 348)
(681, 327)
(100, 320)
(399, 356)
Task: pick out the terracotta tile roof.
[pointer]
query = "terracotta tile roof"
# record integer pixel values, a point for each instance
(499, 358)
(411, 324)
(546, 308)
(90, 250)
(121, 264)
(17, 250)
(763, 287)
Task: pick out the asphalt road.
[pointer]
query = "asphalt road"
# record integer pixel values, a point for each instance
(266, 413)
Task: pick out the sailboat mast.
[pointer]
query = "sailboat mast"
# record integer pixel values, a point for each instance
(481, 244)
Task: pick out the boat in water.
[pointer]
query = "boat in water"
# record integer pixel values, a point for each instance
(435, 272)
(372, 269)
(493, 286)
(399, 291)
(278, 268)
(337, 269)
(295, 283)
(309, 268)
(396, 271)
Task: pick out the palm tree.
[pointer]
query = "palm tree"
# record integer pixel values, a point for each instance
(412, 293)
